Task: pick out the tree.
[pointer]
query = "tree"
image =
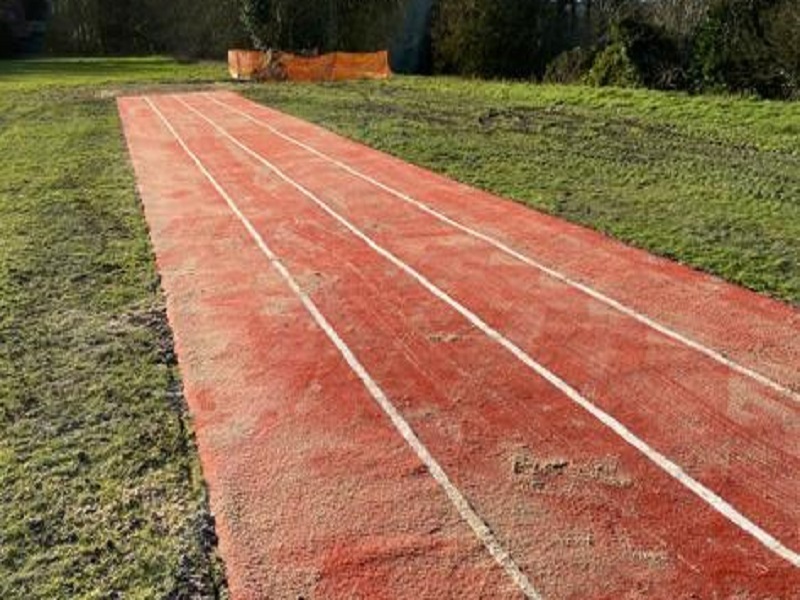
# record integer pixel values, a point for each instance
(733, 48)
(507, 38)
(262, 22)
(679, 18)
(12, 16)
(191, 28)
(411, 48)
(326, 26)
(489, 38)
(184, 27)
(782, 35)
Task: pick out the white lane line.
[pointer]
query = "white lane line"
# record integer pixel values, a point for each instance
(615, 304)
(706, 494)
(478, 525)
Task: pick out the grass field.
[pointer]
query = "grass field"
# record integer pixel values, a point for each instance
(100, 488)
(711, 182)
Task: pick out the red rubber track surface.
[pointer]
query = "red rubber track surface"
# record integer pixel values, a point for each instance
(317, 495)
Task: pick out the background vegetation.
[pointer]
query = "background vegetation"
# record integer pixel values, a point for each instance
(750, 46)
(184, 28)
(742, 46)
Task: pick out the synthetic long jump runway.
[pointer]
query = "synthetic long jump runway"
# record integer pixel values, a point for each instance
(404, 387)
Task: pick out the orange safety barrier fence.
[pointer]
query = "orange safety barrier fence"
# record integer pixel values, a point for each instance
(246, 64)
(337, 66)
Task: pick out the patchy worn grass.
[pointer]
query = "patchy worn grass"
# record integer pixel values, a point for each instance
(100, 487)
(713, 182)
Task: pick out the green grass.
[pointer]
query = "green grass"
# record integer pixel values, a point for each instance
(82, 72)
(100, 486)
(713, 182)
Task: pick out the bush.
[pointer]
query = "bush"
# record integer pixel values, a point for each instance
(614, 67)
(640, 54)
(570, 67)
(656, 55)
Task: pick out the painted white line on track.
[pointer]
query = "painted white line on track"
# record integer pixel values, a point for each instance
(706, 494)
(462, 505)
(615, 304)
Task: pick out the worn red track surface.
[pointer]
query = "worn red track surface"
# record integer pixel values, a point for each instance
(573, 418)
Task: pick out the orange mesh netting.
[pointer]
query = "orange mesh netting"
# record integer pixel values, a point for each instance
(246, 64)
(337, 66)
